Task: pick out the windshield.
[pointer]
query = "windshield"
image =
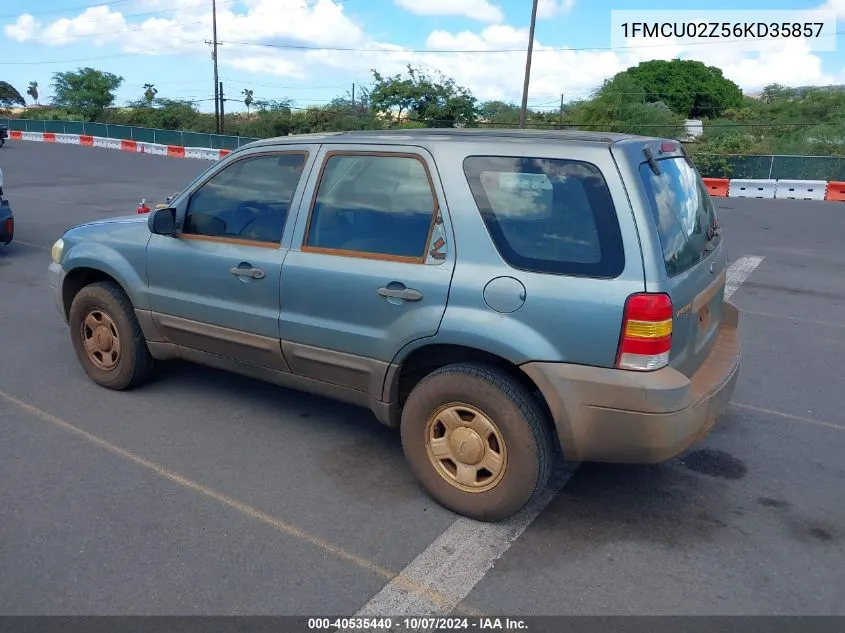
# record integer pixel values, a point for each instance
(683, 212)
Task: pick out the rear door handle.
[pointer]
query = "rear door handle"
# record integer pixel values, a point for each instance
(408, 294)
(255, 273)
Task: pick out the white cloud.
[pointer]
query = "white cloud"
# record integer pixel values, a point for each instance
(835, 5)
(550, 8)
(494, 75)
(482, 10)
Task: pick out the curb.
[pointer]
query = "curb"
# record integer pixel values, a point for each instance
(140, 147)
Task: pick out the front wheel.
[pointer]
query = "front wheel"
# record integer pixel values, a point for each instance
(477, 441)
(107, 338)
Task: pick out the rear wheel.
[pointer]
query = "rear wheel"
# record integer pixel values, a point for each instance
(477, 440)
(107, 338)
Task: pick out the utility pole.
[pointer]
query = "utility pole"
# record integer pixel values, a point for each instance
(214, 43)
(220, 129)
(561, 111)
(353, 95)
(523, 112)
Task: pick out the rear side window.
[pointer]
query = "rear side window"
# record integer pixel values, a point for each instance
(683, 213)
(548, 215)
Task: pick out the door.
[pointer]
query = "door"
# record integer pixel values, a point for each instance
(370, 264)
(214, 287)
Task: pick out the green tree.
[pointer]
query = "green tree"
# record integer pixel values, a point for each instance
(499, 112)
(150, 92)
(87, 91)
(436, 101)
(9, 96)
(32, 91)
(690, 88)
(620, 105)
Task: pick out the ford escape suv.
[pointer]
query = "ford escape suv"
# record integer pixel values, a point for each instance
(497, 295)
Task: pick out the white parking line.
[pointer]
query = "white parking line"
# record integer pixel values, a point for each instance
(460, 557)
(457, 560)
(739, 271)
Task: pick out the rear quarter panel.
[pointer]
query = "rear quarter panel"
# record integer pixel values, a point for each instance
(563, 318)
(701, 286)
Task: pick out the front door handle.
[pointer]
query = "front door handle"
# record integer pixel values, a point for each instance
(408, 294)
(255, 273)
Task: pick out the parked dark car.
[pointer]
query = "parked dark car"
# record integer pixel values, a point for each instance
(4, 134)
(7, 219)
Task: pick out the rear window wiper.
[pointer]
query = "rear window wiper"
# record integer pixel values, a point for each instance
(651, 162)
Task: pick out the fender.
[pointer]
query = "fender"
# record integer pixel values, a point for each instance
(127, 268)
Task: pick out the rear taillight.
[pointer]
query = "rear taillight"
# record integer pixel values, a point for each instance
(646, 332)
(10, 226)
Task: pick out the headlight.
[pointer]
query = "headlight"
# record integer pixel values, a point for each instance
(56, 251)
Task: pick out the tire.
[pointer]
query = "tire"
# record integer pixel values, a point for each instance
(109, 306)
(517, 421)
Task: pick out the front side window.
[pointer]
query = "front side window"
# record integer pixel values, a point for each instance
(379, 205)
(247, 200)
(548, 215)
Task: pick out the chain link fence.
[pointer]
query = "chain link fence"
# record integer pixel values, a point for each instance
(129, 133)
(710, 165)
(771, 167)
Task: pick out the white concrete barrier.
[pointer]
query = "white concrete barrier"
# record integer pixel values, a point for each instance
(152, 148)
(801, 189)
(67, 139)
(32, 136)
(741, 188)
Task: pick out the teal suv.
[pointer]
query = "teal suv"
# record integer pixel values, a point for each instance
(497, 295)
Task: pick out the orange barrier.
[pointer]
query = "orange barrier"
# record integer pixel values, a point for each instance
(717, 186)
(49, 137)
(87, 141)
(17, 136)
(176, 151)
(835, 191)
(225, 152)
(128, 146)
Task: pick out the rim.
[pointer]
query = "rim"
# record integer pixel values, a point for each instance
(101, 340)
(466, 448)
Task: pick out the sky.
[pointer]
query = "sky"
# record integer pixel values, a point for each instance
(311, 51)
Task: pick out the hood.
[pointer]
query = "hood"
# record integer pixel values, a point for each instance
(135, 218)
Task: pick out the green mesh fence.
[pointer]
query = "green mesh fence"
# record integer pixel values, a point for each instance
(774, 167)
(129, 132)
(710, 165)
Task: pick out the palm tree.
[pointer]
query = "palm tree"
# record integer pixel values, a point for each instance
(150, 93)
(32, 91)
(247, 98)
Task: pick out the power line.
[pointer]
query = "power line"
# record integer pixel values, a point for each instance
(75, 8)
(99, 57)
(186, 7)
(456, 51)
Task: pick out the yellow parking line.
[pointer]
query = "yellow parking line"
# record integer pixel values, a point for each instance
(44, 248)
(243, 508)
(789, 416)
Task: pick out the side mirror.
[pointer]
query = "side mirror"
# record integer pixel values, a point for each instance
(163, 221)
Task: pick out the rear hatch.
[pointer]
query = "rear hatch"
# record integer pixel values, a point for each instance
(694, 258)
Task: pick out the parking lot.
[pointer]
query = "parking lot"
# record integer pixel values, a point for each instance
(210, 493)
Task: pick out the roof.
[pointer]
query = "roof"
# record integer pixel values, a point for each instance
(455, 134)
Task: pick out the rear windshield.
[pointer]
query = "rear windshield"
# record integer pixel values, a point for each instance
(548, 215)
(683, 212)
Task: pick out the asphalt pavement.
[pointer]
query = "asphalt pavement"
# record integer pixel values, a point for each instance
(209, 493)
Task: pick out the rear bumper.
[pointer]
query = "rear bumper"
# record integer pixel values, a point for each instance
(610, 415)
(7, 228)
